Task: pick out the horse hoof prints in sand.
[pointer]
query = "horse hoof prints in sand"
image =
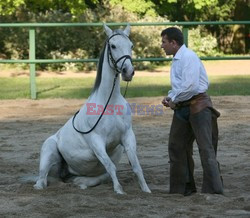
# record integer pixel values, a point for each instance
(88, 147)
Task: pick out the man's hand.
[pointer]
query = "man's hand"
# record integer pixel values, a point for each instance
(171, 104)
(165, 101)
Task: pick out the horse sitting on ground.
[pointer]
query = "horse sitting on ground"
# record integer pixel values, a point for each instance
(88, 147)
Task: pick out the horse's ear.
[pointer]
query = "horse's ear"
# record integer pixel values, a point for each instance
(127, 30)
(107, 30)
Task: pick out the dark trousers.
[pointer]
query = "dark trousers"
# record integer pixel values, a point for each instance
(186, 128)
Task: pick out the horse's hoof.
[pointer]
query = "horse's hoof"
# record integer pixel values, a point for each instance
(83, 186)
(146, 190)
(38, 187)
(121, 192)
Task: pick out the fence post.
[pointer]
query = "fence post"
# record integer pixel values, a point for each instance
(32, 56)
(185, 35)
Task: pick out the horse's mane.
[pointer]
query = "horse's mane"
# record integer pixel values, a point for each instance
(100, 62)
(99, 70)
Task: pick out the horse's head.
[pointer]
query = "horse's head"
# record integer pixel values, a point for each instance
(120, 51)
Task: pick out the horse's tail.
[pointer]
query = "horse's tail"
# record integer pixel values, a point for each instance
(28, 179)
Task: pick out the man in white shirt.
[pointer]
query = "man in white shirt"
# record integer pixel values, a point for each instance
(194, 119)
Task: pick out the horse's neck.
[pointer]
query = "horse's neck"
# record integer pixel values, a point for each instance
(107, 81)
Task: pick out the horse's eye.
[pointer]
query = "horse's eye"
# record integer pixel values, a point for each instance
(113, 46)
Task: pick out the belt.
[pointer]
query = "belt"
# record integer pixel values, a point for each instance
(188, 102)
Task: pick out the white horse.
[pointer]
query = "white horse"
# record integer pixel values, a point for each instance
(88, 147)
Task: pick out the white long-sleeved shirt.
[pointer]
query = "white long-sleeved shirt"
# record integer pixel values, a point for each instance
(188, 75)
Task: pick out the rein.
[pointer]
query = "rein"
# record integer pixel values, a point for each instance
(117, 72)
(82, 132)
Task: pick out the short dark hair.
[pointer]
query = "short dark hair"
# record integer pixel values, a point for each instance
(173, 33)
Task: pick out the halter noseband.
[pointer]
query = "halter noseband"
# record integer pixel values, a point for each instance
(115, 62)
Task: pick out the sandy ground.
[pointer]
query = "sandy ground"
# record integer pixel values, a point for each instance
(25, 124)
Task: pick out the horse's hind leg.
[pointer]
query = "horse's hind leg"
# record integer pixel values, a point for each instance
(100, 152)
(116, 154)
(83, 182)
(49, 157)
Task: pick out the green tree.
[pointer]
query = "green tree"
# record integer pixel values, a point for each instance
(8, 7)
(75, 7)
(198, 10)
(230, 38)
(140, 7)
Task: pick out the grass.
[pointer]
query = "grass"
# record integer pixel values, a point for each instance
(17, 88)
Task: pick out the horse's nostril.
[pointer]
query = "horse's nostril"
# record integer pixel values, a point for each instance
(124, 70)
(133, 73)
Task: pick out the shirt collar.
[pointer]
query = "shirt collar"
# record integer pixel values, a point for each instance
(180, 52)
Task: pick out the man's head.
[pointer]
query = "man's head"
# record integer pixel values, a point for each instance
(172, 40)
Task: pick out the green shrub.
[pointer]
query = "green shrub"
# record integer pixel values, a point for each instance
(202, 43)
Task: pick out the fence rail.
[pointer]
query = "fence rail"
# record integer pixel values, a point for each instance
(124, 24)
(32, 61)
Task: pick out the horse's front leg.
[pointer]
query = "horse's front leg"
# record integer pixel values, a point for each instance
(129, 143)
(99, 149)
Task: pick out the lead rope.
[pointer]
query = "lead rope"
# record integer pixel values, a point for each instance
(83, 132)
(125, 92)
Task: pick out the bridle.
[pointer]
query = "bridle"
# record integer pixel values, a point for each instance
(115, 62)
(117, 70)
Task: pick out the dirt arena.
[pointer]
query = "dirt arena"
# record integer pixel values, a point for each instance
(25, 124)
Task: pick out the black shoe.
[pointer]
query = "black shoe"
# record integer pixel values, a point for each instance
(189, 192)
(189, 189)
